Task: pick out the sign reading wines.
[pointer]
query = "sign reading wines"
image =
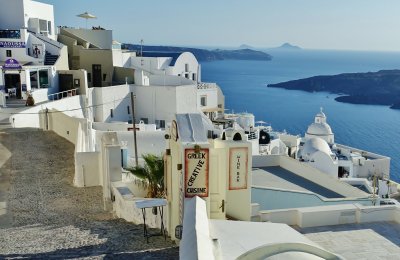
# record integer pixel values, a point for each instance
(196, 173)
(238, 164)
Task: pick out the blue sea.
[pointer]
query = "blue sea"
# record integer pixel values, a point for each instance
(369, 127)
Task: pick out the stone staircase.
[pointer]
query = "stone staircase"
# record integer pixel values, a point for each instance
(5, 124)
(50, 59)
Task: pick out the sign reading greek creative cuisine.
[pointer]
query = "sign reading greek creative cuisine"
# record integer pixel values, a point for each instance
(196, 173)
(238, 168)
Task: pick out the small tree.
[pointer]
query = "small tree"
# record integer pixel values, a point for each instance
(152, 175)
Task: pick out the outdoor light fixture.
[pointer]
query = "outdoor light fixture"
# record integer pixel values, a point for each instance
(178, 231)
(197, 148)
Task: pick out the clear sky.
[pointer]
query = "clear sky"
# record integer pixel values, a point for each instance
(311, 24)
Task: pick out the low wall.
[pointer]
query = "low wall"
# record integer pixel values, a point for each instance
(87, 169)
(196, 242)
(264, 161)
(120, 126)
(318, 177)
(34, 116)
(271, 199)
(332, 215)
(40, 95)
(2, 99)
(64, 125)
(124, 207)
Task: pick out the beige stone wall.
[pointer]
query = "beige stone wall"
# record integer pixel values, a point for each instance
(88, 57)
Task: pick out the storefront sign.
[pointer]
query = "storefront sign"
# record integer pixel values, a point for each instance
(238, 168)
(12, 64)
(196, 173)
(4, 44)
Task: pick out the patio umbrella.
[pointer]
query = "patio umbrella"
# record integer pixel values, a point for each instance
(87, 16)
(261, 122)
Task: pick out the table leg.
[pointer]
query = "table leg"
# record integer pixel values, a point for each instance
(144, 225)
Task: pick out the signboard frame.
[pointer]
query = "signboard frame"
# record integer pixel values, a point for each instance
(233, 174)
(189, 172)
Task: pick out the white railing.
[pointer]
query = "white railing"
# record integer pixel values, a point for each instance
(203, 85)
(63, 94)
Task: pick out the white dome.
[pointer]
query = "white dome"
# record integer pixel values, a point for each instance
(319, 129)
(314, 145)
(321, 114)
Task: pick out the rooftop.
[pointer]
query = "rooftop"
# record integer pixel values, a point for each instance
(156, 54)
(280, 178)
(374, 240)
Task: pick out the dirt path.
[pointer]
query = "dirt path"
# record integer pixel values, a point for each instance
(45, 216)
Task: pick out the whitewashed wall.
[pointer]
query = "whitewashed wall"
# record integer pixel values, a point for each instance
(31, 117)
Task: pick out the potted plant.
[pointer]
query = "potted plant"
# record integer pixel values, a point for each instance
(29, 100)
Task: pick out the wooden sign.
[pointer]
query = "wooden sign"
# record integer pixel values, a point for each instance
(238, 168)
(196, 173)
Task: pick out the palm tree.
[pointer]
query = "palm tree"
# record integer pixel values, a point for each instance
(152, 174)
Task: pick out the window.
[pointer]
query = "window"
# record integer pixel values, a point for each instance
(186, 67)
(104, 77)
(129, 110)
(49, 27)
(43, 25)
(77, 82)
(89, 77)
(145, 120)
(8, 53)
(162, 123)
(111, 113)
(194, 76)
(203, 101)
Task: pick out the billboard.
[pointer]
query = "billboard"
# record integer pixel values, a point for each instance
(238, 168)
(196, 173)
(6, 44)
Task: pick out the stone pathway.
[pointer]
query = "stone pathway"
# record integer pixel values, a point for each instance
(44, 216)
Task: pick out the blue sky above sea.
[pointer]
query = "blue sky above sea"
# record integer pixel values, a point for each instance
(312, 24)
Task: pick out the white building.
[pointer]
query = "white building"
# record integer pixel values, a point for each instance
(33, 16)
(29, 54)
(182, 64)
(351, 165)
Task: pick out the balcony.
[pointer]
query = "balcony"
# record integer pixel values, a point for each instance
(203, 85)
(10, 34)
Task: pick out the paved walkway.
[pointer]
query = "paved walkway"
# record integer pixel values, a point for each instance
(372, 241)
(43, 216)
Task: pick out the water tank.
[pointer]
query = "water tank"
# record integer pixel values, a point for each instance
(245, 120)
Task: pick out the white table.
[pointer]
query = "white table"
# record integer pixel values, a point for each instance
(152, 203)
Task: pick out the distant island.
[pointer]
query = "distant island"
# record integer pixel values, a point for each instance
(288, 46)
(207, 55)
(284, 47)
(245, 46)
(376, 88)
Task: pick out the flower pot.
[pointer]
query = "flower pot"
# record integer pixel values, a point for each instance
(30, 101)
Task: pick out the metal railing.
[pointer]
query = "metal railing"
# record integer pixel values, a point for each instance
(63, 94)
